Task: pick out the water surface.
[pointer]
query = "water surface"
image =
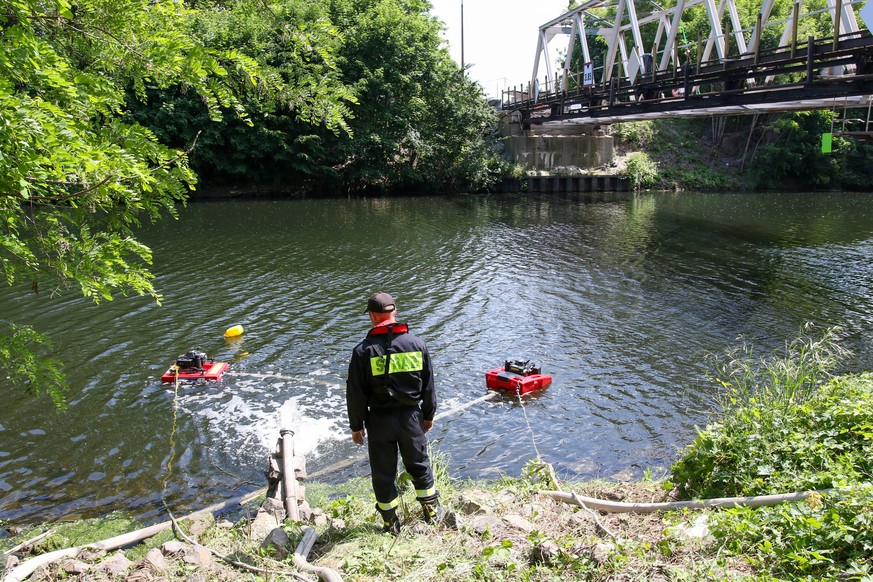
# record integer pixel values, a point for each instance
(619, 299)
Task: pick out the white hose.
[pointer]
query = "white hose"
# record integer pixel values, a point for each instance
(360, 457)
(28, 567)
(299, 558)
(627, 507)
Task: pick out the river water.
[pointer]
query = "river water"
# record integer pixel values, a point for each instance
(620, 299)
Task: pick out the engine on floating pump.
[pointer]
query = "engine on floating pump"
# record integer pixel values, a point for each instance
(194, 359)
(523, 367)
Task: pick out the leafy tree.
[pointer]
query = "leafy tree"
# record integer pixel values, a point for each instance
(102, 103)
(420, 122)
(294, 45)
(462, 150)
(368, 98)
(791, 155)
(75, 175)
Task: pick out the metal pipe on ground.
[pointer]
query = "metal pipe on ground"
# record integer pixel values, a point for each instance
(289, 479)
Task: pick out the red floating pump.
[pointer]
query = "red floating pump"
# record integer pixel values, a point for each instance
(517, 376)
(194, 366)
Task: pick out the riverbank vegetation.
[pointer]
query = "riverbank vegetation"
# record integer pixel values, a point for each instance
(747, 153)
(784, 425)
(394, 112)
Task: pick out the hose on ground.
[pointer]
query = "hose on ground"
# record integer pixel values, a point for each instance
(25, 569)
(629, 507)
(302, 551)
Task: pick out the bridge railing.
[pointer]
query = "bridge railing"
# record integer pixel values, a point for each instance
(832, 66)
(656, 40)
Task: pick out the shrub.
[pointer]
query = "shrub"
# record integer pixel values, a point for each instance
(781, 428)
(640, 170)
(787, 426)
(634, 134)
(826, 537)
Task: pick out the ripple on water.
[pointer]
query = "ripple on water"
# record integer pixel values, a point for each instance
(620, 301)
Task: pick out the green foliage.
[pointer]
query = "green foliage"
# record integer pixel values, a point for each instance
(826, 537)
(352, 501)
(635, 134)
(597, 48)
(785, 427)
(700, 178)
(683, 161)
(22, 357)
(75, 175)
(87, 531)
(420, 122)
(789, 155)
(819, 25)
(495, 555)
(301, 94)
(782, 429)
(358, 95)
(640, 170)
(781, 380)
(535, 476)
(696, 24)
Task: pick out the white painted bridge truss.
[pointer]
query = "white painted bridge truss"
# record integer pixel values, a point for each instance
(632, 61)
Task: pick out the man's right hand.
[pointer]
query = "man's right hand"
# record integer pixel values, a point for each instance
(358, 437)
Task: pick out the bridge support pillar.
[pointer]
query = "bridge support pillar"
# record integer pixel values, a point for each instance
(562, 150)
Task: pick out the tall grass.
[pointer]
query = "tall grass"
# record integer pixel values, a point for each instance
(774, 432)
(779, 380)
(786, 425)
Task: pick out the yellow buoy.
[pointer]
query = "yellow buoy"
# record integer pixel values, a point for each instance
(234, 331)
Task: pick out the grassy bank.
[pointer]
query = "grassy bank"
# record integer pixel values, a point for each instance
(777, 151)
(676, 155)
(785, 425)
(500, 530)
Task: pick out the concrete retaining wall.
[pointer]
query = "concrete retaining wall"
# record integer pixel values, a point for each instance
(548, 152)
(602, 183)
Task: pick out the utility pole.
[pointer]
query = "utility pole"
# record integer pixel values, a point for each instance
(462, 37)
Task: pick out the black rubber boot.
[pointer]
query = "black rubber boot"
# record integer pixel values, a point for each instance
(390, 521)
(431, 509)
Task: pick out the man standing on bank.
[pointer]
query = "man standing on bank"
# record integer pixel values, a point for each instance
(390, 391)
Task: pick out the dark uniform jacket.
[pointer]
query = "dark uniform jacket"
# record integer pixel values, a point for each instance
(408, 384)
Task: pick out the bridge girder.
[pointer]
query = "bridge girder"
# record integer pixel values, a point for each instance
(633, 63)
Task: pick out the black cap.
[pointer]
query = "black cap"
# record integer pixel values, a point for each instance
(380, 303)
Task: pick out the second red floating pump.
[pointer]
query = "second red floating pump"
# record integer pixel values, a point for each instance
(518, 377)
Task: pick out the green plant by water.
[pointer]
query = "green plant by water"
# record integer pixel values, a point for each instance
(786, 425)
(640, 170)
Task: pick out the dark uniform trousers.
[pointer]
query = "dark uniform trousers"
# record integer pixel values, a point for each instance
(390, 429)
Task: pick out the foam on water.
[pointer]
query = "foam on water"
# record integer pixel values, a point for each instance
(247, 424)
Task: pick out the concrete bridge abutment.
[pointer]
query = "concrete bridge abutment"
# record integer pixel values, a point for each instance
(586, 147)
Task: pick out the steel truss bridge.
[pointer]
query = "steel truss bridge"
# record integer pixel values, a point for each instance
(727, 72)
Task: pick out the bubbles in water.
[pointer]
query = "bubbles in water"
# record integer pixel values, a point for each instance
(247, 423)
